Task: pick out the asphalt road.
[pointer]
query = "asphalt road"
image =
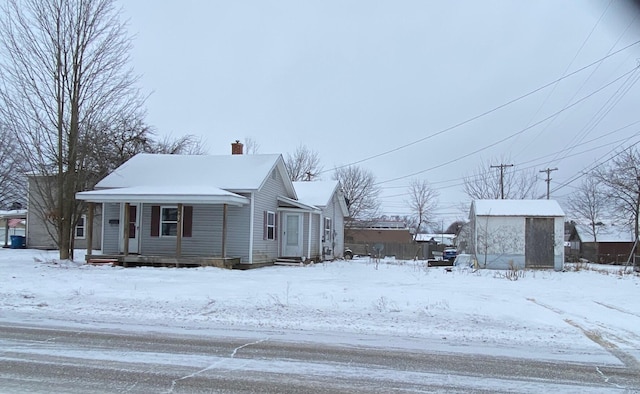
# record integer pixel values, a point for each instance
(53, 360)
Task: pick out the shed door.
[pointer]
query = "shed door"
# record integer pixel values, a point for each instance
(539, 240)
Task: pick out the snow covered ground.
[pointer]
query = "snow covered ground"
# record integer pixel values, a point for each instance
(590, 315)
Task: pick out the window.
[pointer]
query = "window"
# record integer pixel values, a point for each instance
(169, 221)
(164, 221)
(327, 229)
(80, 227)
(270, 225)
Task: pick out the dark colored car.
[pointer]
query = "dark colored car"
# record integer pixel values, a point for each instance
(449, 254)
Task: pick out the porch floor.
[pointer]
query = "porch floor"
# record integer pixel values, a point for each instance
(135, 260)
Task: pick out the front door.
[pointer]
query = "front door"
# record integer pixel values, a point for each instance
(134, 228)
(292, 235)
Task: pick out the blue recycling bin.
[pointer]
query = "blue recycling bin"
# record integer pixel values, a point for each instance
(18, 242)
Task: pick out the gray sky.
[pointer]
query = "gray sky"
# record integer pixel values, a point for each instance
(357, 79)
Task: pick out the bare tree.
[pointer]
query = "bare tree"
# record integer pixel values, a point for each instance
(360, 190)
(588, 204)
(488, 183)
(251, 146)
(303, 165)
(423, 201)
(186, 145)
(12, 180)
(621, 179)
(65, 70)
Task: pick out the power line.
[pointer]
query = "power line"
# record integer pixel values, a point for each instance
(473, 118)
(512, 135)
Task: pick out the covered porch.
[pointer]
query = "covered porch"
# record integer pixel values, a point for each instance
(129, 227)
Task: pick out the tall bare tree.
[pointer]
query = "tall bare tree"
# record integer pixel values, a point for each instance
(422, 201)
(588, 205)
(12, 180)
(303, 164)
(361, 192)
(65, 69)
(621, 179)
(488, 183)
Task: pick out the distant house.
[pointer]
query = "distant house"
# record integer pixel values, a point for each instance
(518, 233)
(40, 231)
(12, 222)
(611, 244)
(381, 237)
(237, 208)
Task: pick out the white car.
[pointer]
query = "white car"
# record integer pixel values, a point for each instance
(465, 261)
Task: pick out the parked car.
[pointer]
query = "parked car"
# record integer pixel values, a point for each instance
(449, 254)
(465, 261)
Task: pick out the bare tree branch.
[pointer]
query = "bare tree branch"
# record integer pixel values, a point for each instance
(588, 205)
(361, 192)
(423, 201)
(484, 182)
(303, 165)
(65, 72)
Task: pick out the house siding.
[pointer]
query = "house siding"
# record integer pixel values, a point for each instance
(336, 243)
(111, 227)
(238, 225)
(266, 199)
(206, 239)
(41, 234)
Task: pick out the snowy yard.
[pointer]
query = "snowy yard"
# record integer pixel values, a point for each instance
(585, 315)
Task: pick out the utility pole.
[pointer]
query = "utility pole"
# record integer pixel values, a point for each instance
(502, 167)
(548, 180)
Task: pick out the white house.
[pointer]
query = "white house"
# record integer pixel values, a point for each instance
(518, 233)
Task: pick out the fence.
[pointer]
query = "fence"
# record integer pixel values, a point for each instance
(401, 251)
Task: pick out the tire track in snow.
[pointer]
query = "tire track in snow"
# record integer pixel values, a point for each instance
(194, 374)
(627, 359)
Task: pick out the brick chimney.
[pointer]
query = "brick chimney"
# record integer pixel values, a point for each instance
(236, 148)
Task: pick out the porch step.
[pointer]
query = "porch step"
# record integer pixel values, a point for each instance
(102, 261)
(290, 261)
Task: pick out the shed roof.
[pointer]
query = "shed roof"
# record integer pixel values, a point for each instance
(527, 208)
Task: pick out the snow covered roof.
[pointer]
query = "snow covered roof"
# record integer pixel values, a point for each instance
(445, 239)
(14, 214)
(318, 193)
(229, 172)
(192, 194)
(517, 208)
(606, 233)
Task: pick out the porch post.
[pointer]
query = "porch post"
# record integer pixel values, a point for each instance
(125, 229)
(224, 231)
(89, 228)
(6, 232)
(179, 233)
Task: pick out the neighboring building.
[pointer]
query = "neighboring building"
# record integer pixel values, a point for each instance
(40, 231)
(12, 222)
(240, 207)
(612, 244)
(518, 233)
(381, 237)
(448, 240)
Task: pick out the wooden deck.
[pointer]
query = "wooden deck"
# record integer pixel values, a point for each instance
(134, 260)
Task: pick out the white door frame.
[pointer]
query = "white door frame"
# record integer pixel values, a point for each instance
(134, 242)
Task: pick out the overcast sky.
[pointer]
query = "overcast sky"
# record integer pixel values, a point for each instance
(384, 84)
